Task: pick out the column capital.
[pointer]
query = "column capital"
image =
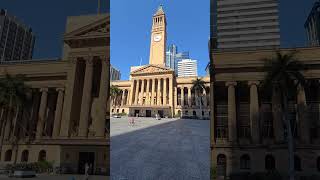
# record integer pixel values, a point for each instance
(250, 83)
(44, 89)
(231, 83)
(60, 89)
(89, 61)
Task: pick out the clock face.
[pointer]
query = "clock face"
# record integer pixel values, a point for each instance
(157, 37)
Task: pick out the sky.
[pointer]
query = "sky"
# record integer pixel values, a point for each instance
(131, 22)
(47, 18)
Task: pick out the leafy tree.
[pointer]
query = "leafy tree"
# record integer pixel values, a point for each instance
(284, 77)
(199, 86)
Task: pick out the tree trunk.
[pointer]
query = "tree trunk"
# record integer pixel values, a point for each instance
(16, 139)
(200, 106)
(290, 139)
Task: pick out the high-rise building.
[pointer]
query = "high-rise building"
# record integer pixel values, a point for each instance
(246, 24)
(312, 26)
(171, 56)
(114, 74)
(187, 67)
(16, 39)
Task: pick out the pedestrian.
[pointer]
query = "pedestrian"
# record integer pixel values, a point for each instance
(86, 169)
(132, 121)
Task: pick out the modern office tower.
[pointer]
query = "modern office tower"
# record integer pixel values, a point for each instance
(246, 24)
(312, 26)
(16, 39)
(171, 56)
(114, 74)
(187, 67)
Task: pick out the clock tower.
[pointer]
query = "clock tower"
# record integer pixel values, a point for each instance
(158, 38)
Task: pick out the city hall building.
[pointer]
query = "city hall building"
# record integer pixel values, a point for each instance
(67, 120)
(247, 131)
(154, 88)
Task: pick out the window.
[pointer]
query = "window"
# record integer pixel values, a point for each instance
(194, 113)
(244, 120)
(245, 162)
(179, 112)
(222, 121)
(122, 110)
(221, 165)
(8, 155)
(202, 113)
(297, 163)
(25, 156)
(269, 162)
(42, 155)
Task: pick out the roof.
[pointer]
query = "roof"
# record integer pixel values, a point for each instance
(159, 11)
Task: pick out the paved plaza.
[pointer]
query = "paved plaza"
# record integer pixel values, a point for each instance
(166, 149)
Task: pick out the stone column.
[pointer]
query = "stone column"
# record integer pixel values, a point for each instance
(302, 116)
(165, 91)
(232, 122)
(136, 97)
(158, 92)
(128, 96)
(99, 122)
(42, 112)
(58, 113)
(277, 117)
(189, 97)
(197, 97)
(122, 98)
(86, 100)
(254, 111)
(171, 96)
(148, 92)
(182, 96)
(204, 98)
(152, 91)
(175, 96)
(133, 85)
(142, 92)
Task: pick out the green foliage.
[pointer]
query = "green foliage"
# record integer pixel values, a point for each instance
(38, 167)
(213, 173)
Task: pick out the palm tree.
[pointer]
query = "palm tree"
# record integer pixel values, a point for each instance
(283, 77)
(199, 85)
(13, 97)
(114, 92)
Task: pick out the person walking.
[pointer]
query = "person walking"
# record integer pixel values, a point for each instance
(86, 171)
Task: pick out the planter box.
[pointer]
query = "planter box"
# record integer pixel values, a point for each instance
(24, 174)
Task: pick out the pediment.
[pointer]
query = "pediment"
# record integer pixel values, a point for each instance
(151, 69)
(98, 28)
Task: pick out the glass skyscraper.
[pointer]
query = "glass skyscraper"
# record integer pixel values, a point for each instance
(173, 57)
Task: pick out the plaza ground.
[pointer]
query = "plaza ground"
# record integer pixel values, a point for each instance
(160, 149)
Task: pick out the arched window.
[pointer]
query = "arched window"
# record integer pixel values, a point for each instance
(318, 163)
(42, 155)
(179, 112)
(25, 156)
(117, 110)
(202, 113)
(122, 110)
(8, 155)
(221, 165)
(194, 113)
(112, 110)
(297, 163)
(245, 162)
(270, 163)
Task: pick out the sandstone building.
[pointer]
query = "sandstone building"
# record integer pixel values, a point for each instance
(154, 89)
(67, 123)
(247, 134)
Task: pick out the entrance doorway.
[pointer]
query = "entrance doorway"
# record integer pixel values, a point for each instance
(148, 113)
(86, 157)
(136, 112)
(160, 112)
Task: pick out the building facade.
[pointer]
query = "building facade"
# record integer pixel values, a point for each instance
(187, 68)
(247, 135)
(245, 24)
(16, 39)
(155, 89)
(114, 74)
(171, 56)
(312, 26)
(67, 123)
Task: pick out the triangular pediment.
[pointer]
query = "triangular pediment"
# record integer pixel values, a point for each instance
(98, 28)
(151, 69)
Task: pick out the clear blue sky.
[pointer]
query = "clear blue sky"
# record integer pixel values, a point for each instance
(131, 21)
(47, 18)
